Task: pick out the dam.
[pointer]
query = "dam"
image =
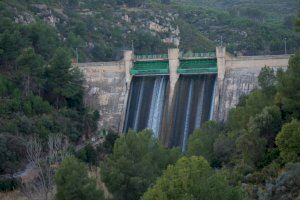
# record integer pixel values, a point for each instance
(172, 94)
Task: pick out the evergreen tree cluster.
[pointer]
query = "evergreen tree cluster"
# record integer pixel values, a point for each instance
(40, 92)
(255, 154)
(261, 137)
(73, 182)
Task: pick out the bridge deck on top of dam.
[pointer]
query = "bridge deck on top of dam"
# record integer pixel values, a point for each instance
(195, 63)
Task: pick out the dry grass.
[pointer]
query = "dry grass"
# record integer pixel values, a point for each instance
(95, 173)
(13, 195)
(18, 195)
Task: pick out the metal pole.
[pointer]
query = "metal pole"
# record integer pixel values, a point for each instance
(221, 40)
(132, 46)
(285, 50)
(76, 54)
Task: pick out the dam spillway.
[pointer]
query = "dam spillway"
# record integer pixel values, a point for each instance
(149, 104)
(146, 103)
(192, 107)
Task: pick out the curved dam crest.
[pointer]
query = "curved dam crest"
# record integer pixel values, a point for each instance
(171, 94)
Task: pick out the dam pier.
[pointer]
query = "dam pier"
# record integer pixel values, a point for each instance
(172, 94)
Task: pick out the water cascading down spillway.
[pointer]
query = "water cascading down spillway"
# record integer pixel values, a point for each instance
(192, 106)
(146, 103)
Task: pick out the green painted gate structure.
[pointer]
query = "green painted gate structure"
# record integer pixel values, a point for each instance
(160, 67)
(198, 66)
(187, 66)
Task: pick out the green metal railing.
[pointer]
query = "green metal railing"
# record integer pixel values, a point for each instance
(182, 56)
(151, 57)
(198, 66)
(198, 55)
(150, 67)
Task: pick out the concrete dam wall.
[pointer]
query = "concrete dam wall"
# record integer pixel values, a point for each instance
(172, 94)
(105, 91)
(237, 76)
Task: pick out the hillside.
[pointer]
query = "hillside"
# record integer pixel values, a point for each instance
(99, 30)
(270, 10)
(50, 143)
(253, 27)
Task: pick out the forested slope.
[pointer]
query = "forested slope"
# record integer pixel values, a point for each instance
(41, 94)
(99, 30)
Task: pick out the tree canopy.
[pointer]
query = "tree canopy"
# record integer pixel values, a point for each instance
(288, 141)
(201, 142)
(73, 182)
(288, 88)
(192, 178)
(137, 160)
(41, 93)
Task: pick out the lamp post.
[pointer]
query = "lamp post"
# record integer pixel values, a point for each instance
(132, 45)
(221, 40)
(285, 50)
(76, 54)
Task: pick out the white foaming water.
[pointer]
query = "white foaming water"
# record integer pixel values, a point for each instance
(153, 104)
(157, 103)
(212, 106)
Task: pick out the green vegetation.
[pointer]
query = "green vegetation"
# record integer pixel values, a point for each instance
(88, 154)
(247, 27)
(192, 178)
(41, 98)
(8, 184)
(260, 140)
(137, 160)
(288, 141)
(41, 94)
(99, 30)
(202, 141)
(72, 182)
(288, 87)
(94, 154)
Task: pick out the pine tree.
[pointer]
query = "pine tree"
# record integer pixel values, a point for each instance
(288, 89)
(31, 71)
(192, 178)
(73, 183)
(64, 83)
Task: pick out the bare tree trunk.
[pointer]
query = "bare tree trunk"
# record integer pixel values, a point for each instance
(43, 162)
